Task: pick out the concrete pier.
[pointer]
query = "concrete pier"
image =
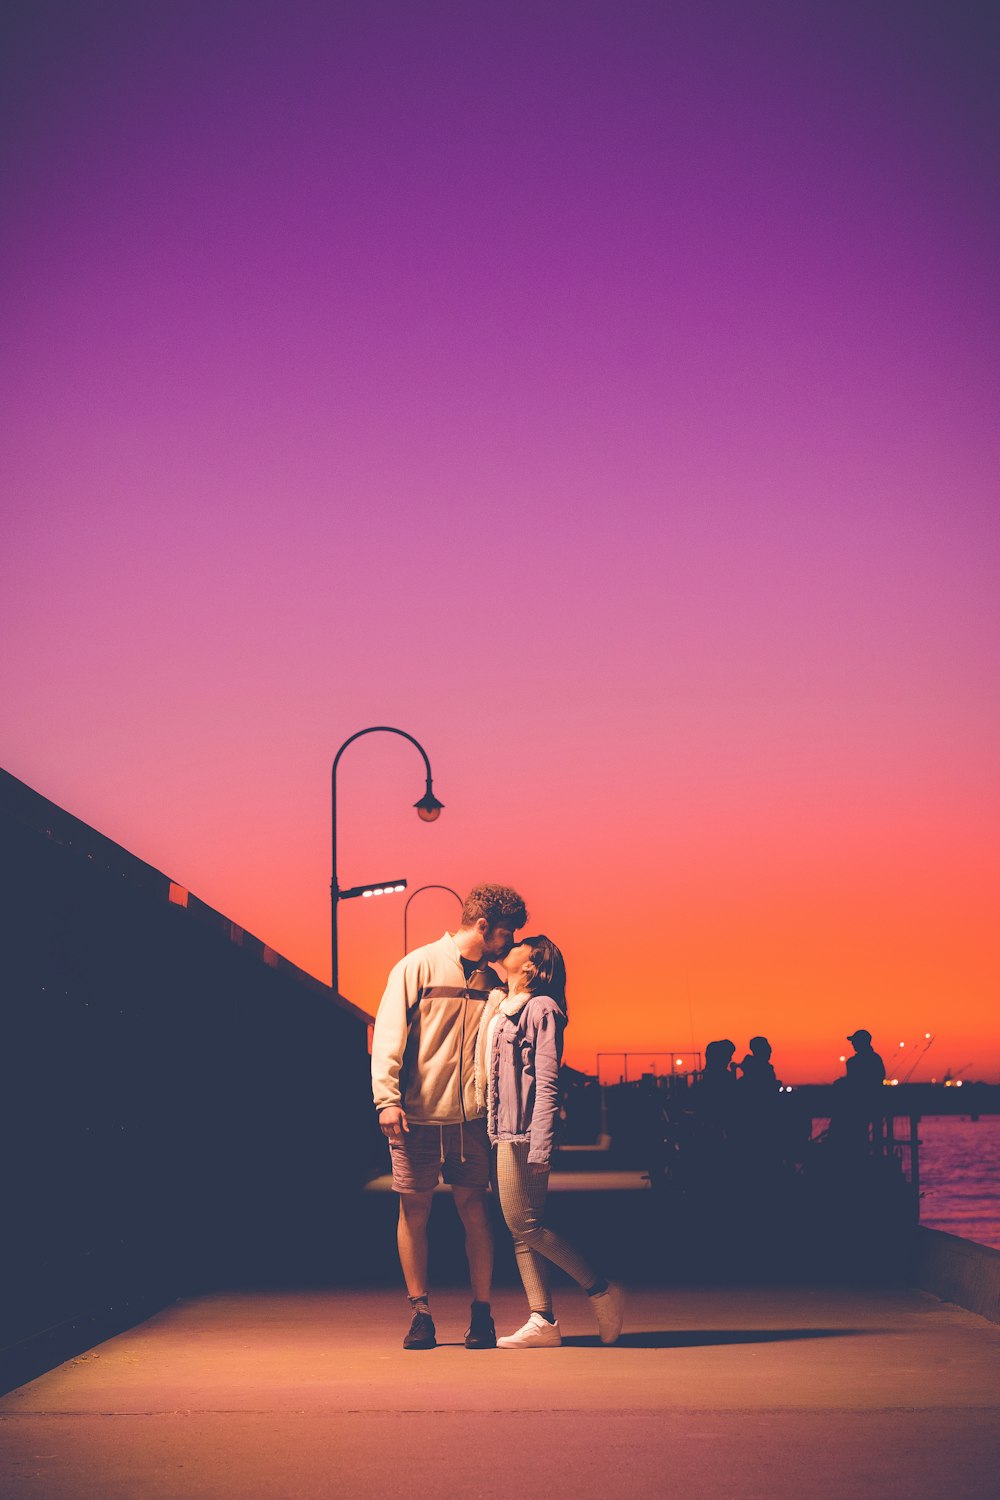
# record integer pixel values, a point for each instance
(803, 1391)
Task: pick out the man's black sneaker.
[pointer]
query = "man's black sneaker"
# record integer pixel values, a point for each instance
(422, 1333)
(481, 1333)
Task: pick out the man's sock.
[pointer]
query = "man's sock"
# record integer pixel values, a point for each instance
(421, 1303)
(600, 1285)
(548, 1316)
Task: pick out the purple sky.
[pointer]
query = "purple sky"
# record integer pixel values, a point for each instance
(604, 392)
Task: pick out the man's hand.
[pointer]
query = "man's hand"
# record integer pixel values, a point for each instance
(393, 1123)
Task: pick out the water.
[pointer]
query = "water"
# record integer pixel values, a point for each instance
(960, 1176)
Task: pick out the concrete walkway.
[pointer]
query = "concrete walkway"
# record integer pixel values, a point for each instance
(777, 1392)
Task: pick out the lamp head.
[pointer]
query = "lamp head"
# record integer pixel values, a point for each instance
(428, 808)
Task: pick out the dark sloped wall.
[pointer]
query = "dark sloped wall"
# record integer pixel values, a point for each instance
(181, 1107)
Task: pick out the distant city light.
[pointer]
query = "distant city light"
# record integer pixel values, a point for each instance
(902, 1044)
(678, 1062)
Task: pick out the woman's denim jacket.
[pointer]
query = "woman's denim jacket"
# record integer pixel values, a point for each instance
(524, 1096)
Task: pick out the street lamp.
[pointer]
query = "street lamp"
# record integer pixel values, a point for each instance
(420, 888)
(428, 810)
(373, 888)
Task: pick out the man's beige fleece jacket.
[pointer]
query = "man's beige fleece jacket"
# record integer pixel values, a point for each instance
(424, 1047)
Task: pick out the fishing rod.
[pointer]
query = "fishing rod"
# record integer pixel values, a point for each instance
(929, 1042)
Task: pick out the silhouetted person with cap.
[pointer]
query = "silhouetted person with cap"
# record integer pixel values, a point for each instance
(861, 1094)
(865, 1070)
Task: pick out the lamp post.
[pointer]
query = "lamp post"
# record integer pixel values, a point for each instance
(417, 893)
(428, 810)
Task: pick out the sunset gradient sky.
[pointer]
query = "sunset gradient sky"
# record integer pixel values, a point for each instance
(604, 391)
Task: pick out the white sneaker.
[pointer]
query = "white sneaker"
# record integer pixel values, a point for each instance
(537, 1333)
(609, 1308)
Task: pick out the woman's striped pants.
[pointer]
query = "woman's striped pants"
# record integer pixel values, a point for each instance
(522, 1195)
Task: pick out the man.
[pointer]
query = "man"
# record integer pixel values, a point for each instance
(861, 1107)
(423, 1082)
(865, 1070)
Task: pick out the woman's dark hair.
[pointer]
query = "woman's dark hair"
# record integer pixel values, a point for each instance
(549, 977)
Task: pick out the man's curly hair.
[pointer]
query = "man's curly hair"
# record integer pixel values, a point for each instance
(501, 905)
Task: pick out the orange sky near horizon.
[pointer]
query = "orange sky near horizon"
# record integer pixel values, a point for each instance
(792, 926)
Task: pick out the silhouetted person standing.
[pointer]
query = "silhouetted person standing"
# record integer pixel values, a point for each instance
(758, 1074)
(758, 1098)
(865, 1070)
(708, 1160)
(861, 1095)
(715, 1097)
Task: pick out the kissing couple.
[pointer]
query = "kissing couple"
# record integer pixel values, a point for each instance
(465, 1078)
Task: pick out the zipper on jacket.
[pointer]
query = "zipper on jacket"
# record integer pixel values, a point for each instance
(461, 1053)
(461, 1050)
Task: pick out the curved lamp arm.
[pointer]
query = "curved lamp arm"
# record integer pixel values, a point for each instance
(428, 810)
(409, 898)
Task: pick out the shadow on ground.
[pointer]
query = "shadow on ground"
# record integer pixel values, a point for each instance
(693, 1338)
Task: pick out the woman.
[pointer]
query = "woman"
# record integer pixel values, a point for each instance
(518, 1057)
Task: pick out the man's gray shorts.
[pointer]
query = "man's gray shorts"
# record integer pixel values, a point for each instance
(458, 1153)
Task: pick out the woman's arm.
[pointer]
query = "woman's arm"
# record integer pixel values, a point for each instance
(548, 1051)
